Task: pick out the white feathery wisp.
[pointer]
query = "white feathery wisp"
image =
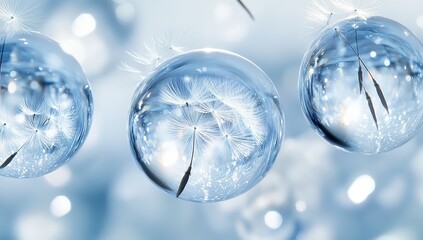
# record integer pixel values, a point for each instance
(240, 142)
(244, 103)
(155, 52)
(175, 93)
(325, 13)
(180, 91)
(362, 8)
(18, 15)
(319, 13)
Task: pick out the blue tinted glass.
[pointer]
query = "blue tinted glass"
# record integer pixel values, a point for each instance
(361, 85)
(45, 106)
(206, 125)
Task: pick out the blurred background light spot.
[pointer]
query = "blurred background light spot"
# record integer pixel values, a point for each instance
(419, 21)
(83, 25)
(60, 177)
(318, 231)
(361, 188)
(20, 118)
(125, 12)
(396, 234)
(301, 206)
(273, 219)
(60, 206)
(74, 48)
(12, 87)
(232, 28)
(223, 12)
(35, 227)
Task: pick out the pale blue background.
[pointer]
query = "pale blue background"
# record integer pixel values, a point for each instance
(112, 199)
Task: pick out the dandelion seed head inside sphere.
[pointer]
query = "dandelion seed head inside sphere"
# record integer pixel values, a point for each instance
(361, 84)
(213, 109)
(45, 106)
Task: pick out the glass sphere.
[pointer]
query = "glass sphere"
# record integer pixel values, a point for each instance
(45, 106)
(206, 125)
(361, 86)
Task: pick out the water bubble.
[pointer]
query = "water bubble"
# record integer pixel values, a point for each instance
(45, 106)
(361, 84)
(206, 125)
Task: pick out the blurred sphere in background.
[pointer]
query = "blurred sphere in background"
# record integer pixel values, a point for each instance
(94, 32)
(270, 214)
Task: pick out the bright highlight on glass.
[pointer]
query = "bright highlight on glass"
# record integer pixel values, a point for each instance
(206, 125)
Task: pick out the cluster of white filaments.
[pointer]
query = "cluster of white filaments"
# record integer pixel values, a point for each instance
(37, 125)
(325, 13)
(224, 111)
(154, 53)
(18, 15)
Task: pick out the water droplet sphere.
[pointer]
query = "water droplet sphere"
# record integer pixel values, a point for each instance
(45, 106)
(361, 84)
(206, 125)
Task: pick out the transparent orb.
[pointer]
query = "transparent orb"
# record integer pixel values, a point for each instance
(206, 125)
(45, 106)
(361, 86)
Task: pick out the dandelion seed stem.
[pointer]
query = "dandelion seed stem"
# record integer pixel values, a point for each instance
(1, 55)
(45, 121)
(246, 9)
(13, 155)
(187, 174)
(356, 42)
(355, 52)
(375, 83)
(360, 70)
(329, 18)
(360, 76)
